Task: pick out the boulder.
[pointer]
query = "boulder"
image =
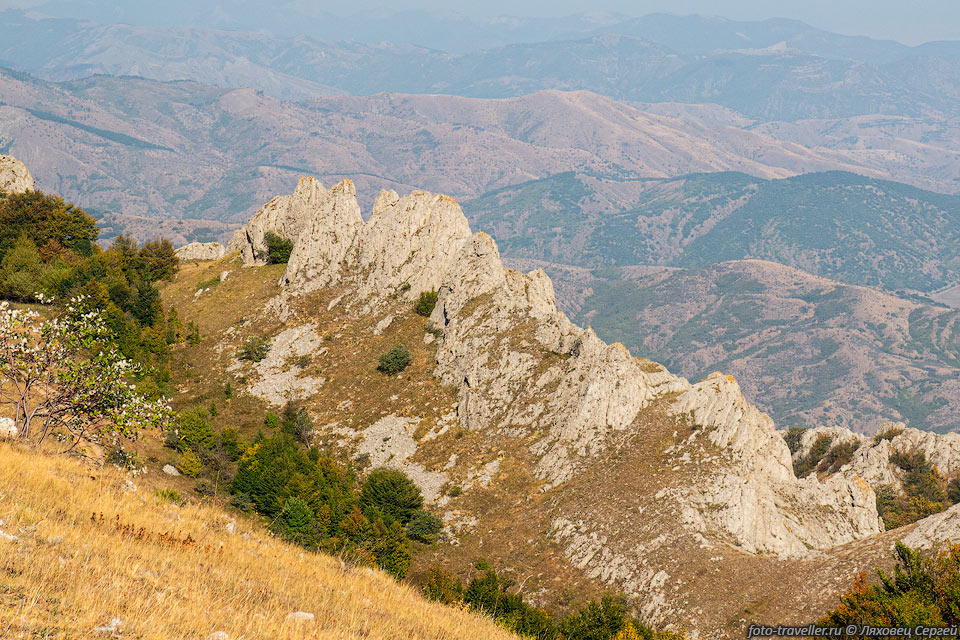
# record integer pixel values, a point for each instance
(8, 428)
(14, 176)
(201, 251)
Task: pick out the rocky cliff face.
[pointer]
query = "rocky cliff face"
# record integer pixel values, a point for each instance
(14, 176)
(574, 460)
(523, 370)
(873, 461)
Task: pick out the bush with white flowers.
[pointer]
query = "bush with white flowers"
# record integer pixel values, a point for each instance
(64, 377)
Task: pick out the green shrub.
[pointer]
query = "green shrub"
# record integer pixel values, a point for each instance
(925, 491)
(193, 426)
(805, 464)
(205, 488)
(271, 420)
(921, 591)
(297, 523)
(424, 527)
(232, 444)
(838, 455)
(189, 464)
(255, 349)
(887, 434)
(454, 491)
(228, 391)
(395, 360)
(391, 494)
(297, 423)
(442, 588)
(792, 437)
(953, 490)
(278, 248)
(426, 303)
(168, 495)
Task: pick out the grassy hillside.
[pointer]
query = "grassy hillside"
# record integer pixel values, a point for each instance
(837, 225)
(82, 546)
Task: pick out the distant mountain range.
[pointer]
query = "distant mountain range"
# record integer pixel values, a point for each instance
(184, 150)
(834, 224)
(771, 70)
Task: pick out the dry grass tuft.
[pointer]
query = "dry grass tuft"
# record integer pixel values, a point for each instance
(87, 550)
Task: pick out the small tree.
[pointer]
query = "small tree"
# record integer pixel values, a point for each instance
(426, 303)
(254, 349)
(395, 360)
(278, 248)
(65, 376)
(391, 494)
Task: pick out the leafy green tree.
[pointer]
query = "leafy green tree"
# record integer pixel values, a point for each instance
(43, 218)
(391, 494)
(158, 260)
(21, 271)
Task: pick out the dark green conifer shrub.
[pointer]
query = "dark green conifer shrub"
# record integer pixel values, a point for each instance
(278, 248)
(390, 493)
(395, 360)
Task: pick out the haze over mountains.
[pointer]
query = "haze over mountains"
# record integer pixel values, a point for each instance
(772, 70)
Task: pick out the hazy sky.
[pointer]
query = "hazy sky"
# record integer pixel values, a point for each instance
(909, 21)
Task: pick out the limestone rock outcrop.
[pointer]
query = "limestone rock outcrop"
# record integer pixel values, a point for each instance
(755, 495)
(201, 251)
(933, 531)
(284, 216)
(14, 176)
(522, 370)
(872, 459)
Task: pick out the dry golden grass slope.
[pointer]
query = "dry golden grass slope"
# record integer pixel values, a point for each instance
(80, 548)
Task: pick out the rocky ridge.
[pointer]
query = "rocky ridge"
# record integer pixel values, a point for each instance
(522, 369)
(872, 459)
(574, 464)
(14, 176)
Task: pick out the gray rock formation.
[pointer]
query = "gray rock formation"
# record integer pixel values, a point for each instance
(523, 370)
(14, 176)
(755, 495)
(201, 251)
(932, 531)
(285, 216)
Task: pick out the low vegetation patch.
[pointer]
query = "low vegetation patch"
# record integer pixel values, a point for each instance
(924, 491)
(921, 591)
(395, 360)
(255, 349)
(489, 593)
(426, 304)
